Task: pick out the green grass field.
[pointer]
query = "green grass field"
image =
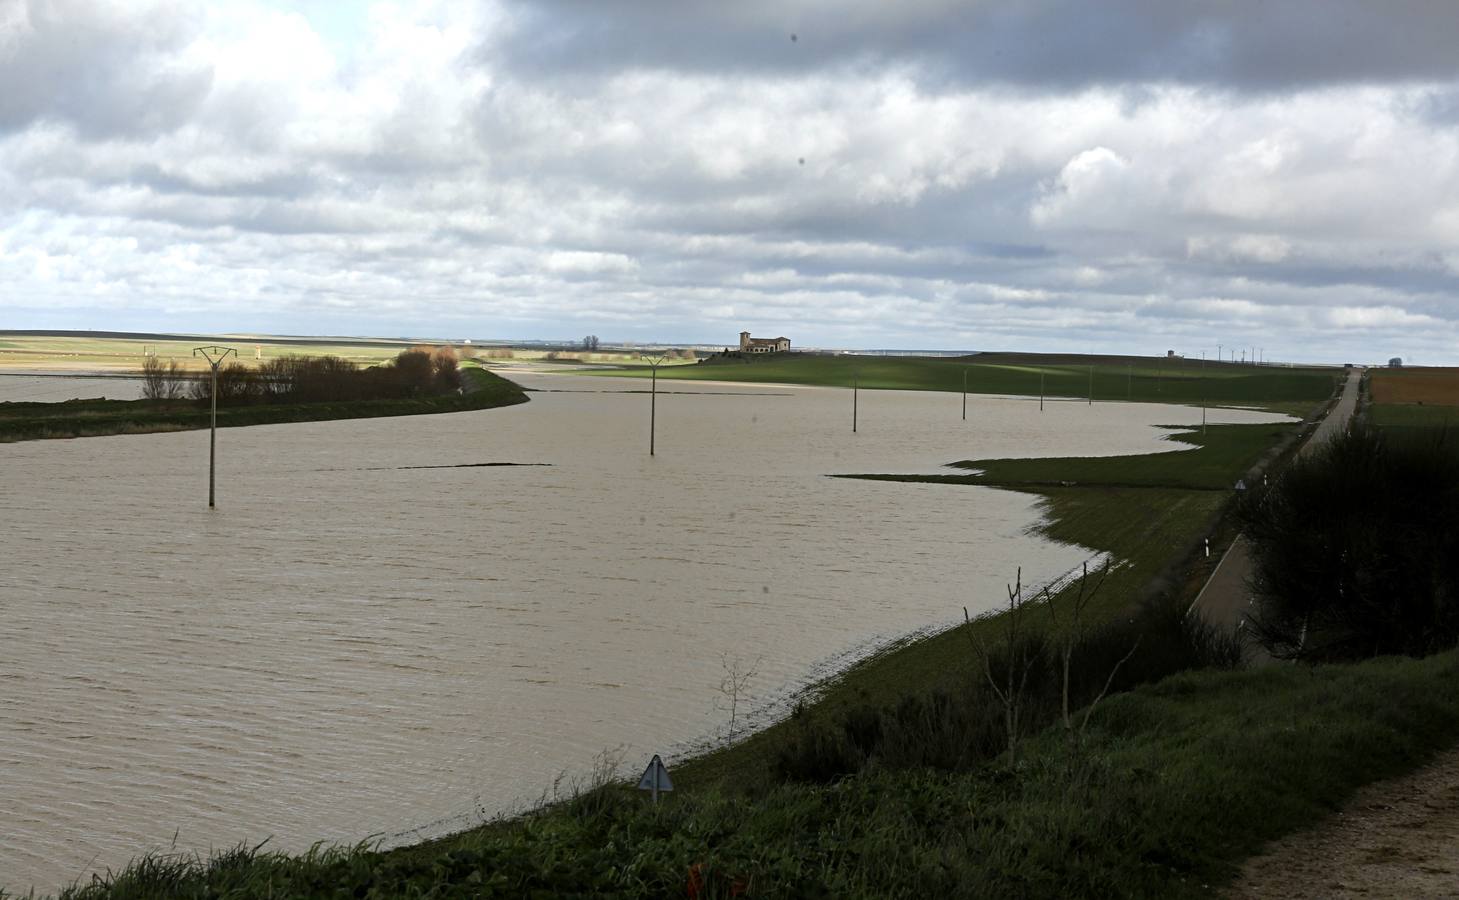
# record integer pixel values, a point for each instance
(1408, 415)
(1218, 458)
(1146, 380)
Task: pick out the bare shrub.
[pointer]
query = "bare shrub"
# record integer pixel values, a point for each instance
(446, 370)
(154, 379)
(176, 381)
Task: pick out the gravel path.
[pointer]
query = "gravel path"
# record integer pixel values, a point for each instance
(1397, 838)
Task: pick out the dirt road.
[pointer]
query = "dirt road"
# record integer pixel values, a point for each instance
(1397, 838)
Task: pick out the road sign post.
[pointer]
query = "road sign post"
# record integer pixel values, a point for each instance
(655, 778)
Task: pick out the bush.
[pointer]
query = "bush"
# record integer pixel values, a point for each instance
(960, 726)
(1356, 549)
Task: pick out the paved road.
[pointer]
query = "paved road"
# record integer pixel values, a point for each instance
(1225, 599)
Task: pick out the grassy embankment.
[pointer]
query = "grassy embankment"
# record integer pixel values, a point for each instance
(1144, 379)
(88, 418)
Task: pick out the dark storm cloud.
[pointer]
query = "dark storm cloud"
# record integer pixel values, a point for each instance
(1043, 44)
(105, 72)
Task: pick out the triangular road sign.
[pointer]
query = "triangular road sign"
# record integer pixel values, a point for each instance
(655, 777)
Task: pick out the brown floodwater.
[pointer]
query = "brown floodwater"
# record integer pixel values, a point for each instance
(376, 636)
(17, 387)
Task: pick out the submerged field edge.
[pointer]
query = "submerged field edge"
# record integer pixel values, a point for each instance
(85, 418)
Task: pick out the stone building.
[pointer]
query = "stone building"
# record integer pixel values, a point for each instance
(763, 345)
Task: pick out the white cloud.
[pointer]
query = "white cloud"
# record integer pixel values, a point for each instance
(247, 171)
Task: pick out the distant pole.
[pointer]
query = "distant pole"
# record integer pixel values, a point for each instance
(1130, 382)
(1203, 392)
(855, 397)
(965, 393)
(653, 399)
(215, 357)
(1041, 390)
(1091, 385)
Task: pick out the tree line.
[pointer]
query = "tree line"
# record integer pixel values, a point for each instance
(417, 372)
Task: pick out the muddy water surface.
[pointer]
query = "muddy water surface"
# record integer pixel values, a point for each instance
(30, 388)
(366, 639)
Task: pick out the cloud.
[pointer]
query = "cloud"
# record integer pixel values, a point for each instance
(900, 175)
(103, 69)
(1043, 44)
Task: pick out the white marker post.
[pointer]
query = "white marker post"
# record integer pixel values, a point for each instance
(655, 778)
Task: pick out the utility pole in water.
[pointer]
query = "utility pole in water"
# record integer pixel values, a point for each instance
(215, 357)
(855, 396)
(653, 398)
(965, 393)
(1203, 392)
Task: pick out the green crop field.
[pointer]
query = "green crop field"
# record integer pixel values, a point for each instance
(1220, 454)
(1113, 378)
(1409, 415)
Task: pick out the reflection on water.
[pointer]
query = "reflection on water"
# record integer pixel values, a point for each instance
(368, 637)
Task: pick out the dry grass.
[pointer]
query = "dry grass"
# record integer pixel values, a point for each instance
(1429, 387)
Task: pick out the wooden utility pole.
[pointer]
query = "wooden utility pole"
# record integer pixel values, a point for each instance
(215, 357)
(965, 393)
(855, 397)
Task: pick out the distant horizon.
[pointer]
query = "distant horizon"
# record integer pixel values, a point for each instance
(610, 343)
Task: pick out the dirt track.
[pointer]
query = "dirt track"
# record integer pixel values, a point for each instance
(1397, 838)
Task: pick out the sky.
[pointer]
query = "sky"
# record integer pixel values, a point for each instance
(1129, 176)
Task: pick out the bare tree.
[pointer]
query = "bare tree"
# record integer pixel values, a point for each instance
(154, 379)
(732, 687)
(1020, 661)
(1070, 637)
(590, 342)
(175, 381)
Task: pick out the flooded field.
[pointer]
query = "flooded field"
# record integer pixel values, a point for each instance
(30, 388)
(378, 634)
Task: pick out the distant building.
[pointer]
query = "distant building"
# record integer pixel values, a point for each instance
(1395, 363)
(763, 345)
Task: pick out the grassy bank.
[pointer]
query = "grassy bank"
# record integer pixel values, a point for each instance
(1173, 785)
(1114, 378)
(89, 418)
(1220, 455)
